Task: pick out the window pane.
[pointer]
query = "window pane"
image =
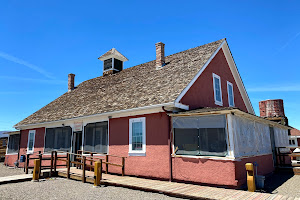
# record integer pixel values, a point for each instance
(137, 136)
(230, 95)
(89, 138)
(13, 144)
(31, 138)
(217, 89)
(58, 139)
(187, 141)
(213, 141)
(96, 137)
(49, 141)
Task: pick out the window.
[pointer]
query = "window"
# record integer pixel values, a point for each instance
(13, 144)
(230, 94)
(30, 144)
(137, 136)
(58, 139)
(217, 90)
(108, 64)
(96, 137)
(292, 142)
(203, 141)
(204, 135)
(4, 142)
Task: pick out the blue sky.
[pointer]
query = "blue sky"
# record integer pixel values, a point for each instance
(42, 41)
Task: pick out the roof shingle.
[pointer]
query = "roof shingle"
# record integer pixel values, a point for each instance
(138, 86)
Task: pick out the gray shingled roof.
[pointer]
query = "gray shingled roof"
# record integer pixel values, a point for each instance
(138, 86)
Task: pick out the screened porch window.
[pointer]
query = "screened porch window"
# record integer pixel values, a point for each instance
(197, 136)
(58, 139)
(13, 144)
(96, 137)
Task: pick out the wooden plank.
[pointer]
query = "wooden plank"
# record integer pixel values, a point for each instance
(77, 163)
(83, 170)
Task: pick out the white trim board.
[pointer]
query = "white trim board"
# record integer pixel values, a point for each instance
(234, 71)
(104, 116)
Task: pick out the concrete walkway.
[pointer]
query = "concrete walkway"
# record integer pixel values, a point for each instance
(15, 178)
(174, 189)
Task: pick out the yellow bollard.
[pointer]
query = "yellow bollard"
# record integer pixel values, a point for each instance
(250, 177)
(36, 170)
(97, 174)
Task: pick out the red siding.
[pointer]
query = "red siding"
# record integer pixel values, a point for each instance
(38, 145)
(201, 94)
(10, 159)
(156, 161)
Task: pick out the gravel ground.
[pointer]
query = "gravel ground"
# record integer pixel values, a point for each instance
(60, 188)
(10, 171)
(284, 184)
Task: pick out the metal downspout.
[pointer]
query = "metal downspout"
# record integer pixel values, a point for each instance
(170, 145)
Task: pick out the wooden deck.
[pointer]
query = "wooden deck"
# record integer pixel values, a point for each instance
(172, 188)
(15, 179)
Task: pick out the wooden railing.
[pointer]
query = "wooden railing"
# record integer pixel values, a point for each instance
(41, 157)
(280, 156)
(81, 161)
(106, 162)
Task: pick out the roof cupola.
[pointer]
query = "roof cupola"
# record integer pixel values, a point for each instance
(112, 62)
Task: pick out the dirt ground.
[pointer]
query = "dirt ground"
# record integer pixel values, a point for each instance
(9, 171)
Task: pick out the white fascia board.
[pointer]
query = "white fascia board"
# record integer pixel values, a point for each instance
(237, 77)
(184, 91)
(115, 114)
(181, 106)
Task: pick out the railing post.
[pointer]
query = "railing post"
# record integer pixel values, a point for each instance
(68, 165)
(106, 166)
(51, 164)
(97, 174)
(83, 169)
(55, 161)
(91, 163)
(123, 166)
(40, 158)
(27, 163)
(36, 170)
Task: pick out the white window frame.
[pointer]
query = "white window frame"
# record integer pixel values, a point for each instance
(228, 83)
(137, 152)
(30, 151)
(220, 103)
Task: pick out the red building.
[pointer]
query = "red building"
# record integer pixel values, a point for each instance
(185, 117)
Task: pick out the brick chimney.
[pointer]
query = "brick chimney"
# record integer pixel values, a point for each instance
(71, 78)
(160, 54)
(273, 110)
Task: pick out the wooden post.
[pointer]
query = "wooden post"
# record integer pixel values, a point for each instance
(97, 174)
(36, 170)
(123, 166)
(55, 161)
(83, 169)
(27, 163)
(51, 164)
(250, 177)
(106, 166)
(91, 161)
(68, 165)
(40, 158)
